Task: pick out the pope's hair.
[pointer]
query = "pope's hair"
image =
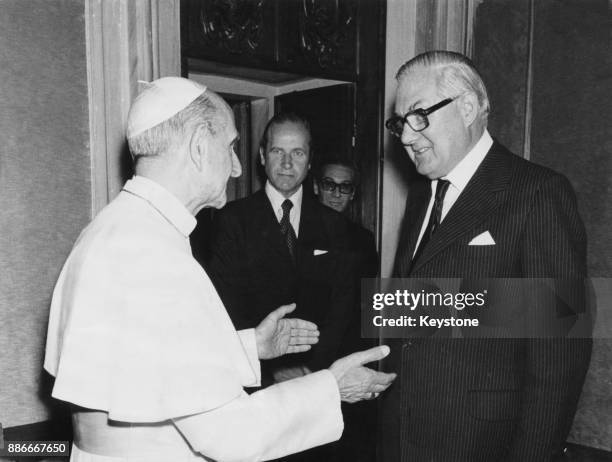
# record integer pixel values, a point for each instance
(207, 109)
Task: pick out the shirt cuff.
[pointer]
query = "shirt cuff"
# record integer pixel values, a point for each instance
(247, 337)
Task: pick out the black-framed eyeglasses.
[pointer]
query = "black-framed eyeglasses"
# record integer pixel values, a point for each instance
(417, 119)
(329, 185)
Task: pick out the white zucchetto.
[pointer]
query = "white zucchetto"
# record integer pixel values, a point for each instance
(160, 100)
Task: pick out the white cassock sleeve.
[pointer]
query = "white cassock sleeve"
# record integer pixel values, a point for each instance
(285, 418)
(247, 338)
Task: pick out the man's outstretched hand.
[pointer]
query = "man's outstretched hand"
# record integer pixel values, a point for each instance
(277, 336)
(357, 382)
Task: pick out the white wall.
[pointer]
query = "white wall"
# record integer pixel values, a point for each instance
(401, 46)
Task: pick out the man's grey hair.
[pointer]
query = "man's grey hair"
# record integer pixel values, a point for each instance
(206, 109)
(455, 75)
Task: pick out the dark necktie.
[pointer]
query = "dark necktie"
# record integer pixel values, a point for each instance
(287, 230)
(434, 218)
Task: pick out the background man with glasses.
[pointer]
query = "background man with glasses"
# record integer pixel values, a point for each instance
(335, 185)
(478, 212)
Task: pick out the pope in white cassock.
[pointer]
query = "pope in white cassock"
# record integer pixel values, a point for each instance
(139, 341)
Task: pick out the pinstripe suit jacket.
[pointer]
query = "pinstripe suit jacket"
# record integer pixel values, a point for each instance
(489, 399)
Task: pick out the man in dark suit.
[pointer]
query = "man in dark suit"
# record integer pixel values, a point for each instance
(281, 246)
(335, 186)
(480, 212)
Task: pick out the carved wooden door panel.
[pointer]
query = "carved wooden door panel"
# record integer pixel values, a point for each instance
(312, 37)
(230, 31)
(319, 36)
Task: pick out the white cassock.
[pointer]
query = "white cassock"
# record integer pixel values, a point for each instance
(137, 330)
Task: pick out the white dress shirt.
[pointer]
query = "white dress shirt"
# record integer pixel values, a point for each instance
(458, 177)
(137, 330)
(277, 199)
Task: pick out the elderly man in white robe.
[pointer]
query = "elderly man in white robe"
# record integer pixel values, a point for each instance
(139, 341)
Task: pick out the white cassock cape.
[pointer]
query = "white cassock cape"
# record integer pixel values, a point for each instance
(137, 329)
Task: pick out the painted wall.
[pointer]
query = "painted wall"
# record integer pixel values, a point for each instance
(45, 175)
(550, 97)
(397, 168)
(572, 134)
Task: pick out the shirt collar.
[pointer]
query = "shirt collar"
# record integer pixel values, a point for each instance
(277, 199)
(465, 169)
(164, 202)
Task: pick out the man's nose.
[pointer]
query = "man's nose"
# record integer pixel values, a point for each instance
(287, 161)
(236, 168)
(336, 191)
(409, 136)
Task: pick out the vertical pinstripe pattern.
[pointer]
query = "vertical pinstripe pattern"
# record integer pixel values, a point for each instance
(488, 399)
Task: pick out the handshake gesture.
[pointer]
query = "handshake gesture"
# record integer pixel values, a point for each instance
(357, 382)
(277, 336)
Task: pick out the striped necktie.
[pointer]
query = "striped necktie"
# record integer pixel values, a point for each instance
(287, 230)
(434, 218)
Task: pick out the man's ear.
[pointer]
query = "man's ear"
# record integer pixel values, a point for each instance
(262, 157)
(198, 147)
(468, 105)
(315, 187)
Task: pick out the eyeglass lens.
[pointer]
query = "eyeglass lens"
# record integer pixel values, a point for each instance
(417, 119)
(330, 185)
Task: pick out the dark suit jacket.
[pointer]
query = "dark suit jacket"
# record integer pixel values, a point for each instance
(252, 270)
(465, 399)
(362, 242)
(363, 247)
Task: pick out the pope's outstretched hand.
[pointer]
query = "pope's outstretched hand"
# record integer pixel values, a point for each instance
(357, 382)
(277, 336)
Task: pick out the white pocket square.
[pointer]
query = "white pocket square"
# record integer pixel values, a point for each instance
(319, 252)
(483, 239)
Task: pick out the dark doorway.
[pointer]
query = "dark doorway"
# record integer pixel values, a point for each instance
(331, 113)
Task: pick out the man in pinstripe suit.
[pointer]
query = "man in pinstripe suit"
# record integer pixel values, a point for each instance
(480, 212)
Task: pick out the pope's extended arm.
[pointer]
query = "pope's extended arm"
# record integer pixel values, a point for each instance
(288, 417)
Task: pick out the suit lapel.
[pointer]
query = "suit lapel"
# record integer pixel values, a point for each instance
(416, 208)
(310, 228)
(417, 215)
(480, 198)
